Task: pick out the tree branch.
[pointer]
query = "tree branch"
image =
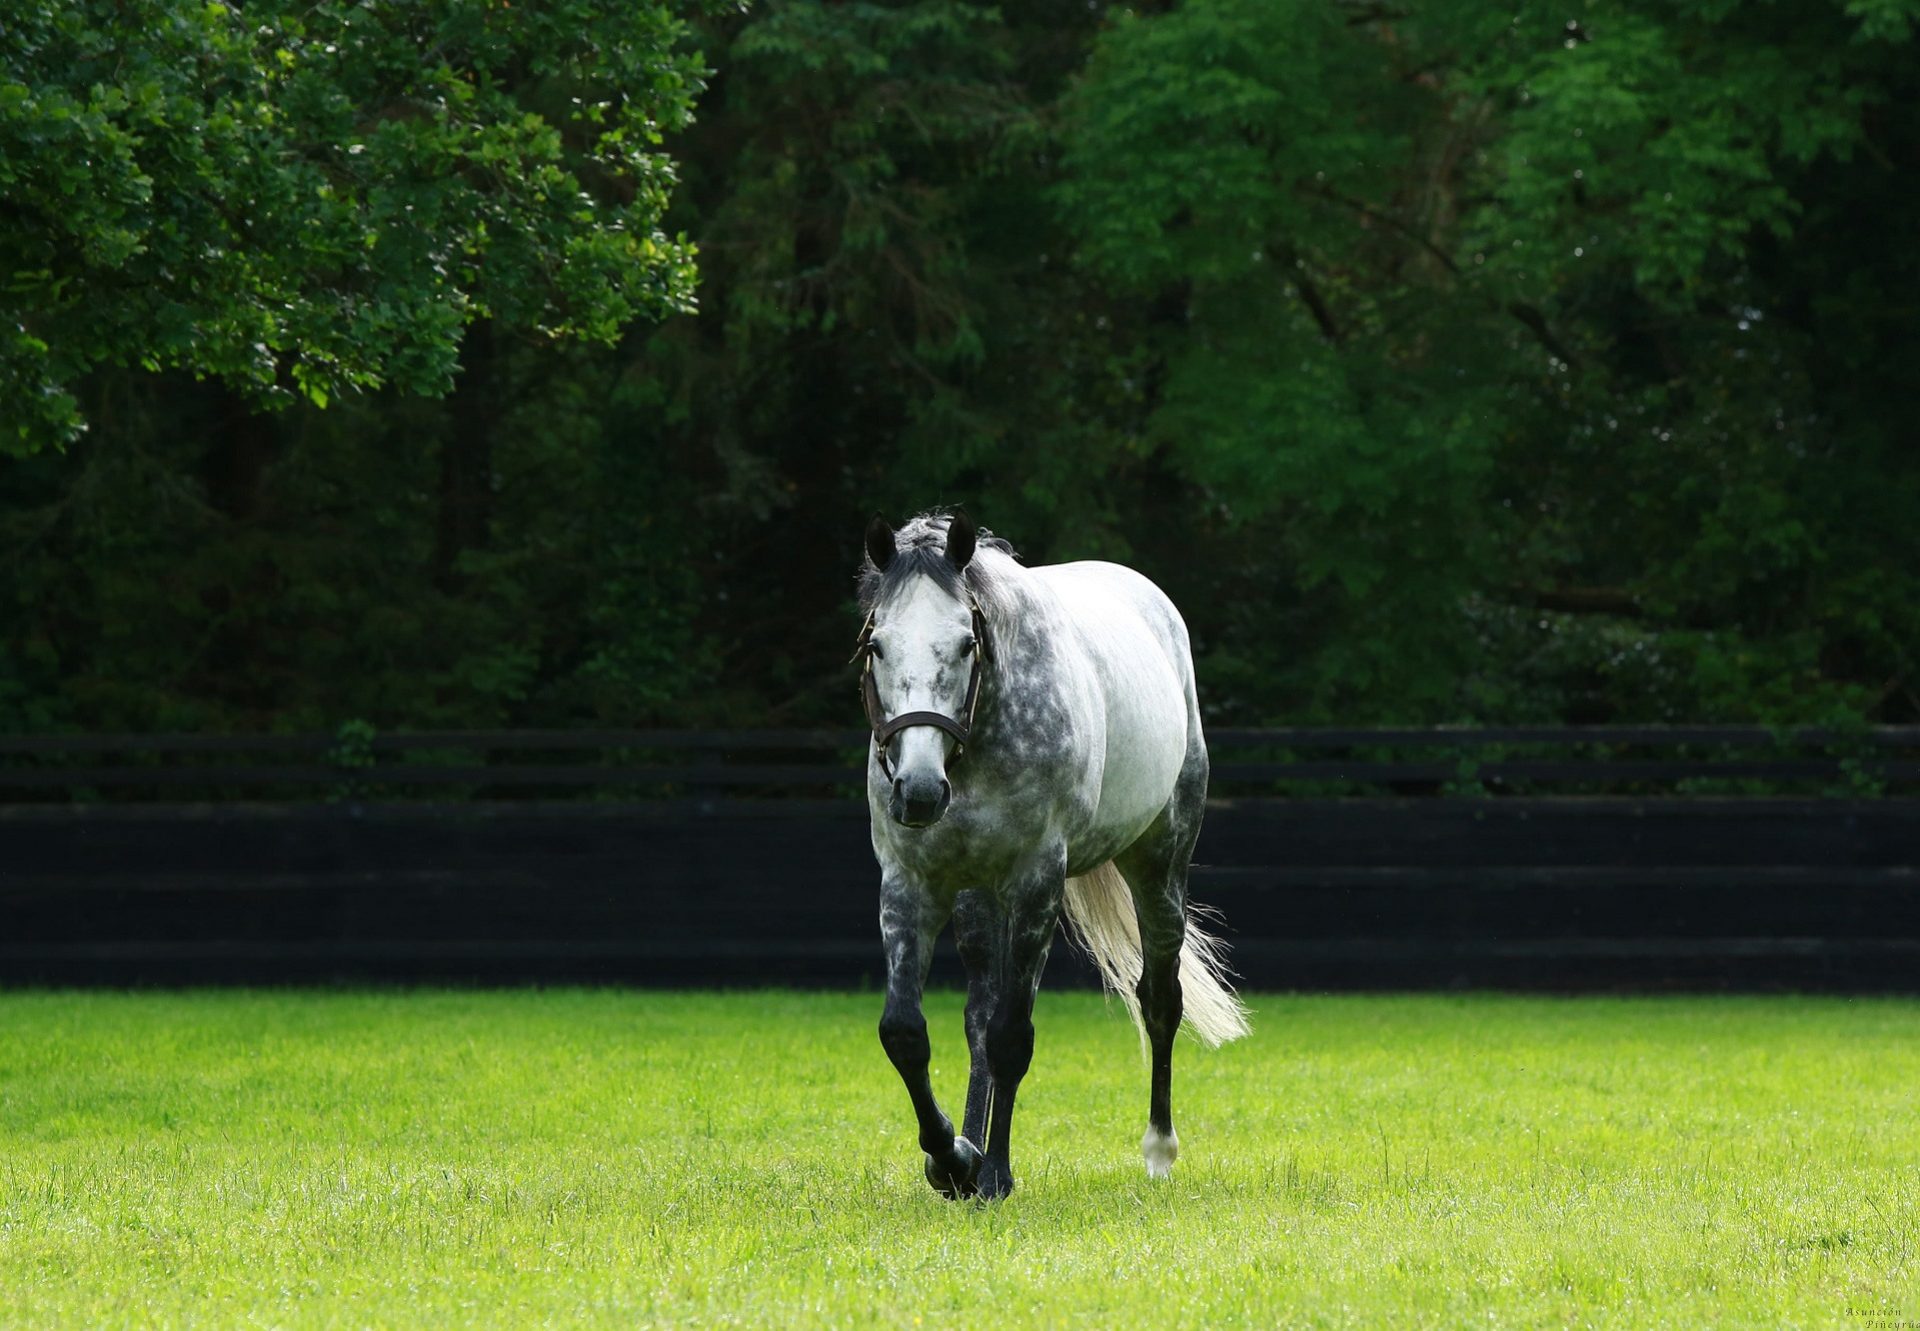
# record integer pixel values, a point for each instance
(1580, 600)
(1309, 293)
(1537, 322)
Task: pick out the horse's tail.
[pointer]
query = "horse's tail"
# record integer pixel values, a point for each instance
(1100, 908)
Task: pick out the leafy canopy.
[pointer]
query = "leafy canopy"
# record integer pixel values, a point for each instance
(310, 198)
(1444, 363)
(1480, 312)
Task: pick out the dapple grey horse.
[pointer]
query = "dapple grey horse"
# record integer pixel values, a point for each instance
(1037, 749)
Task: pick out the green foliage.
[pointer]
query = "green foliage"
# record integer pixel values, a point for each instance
(1450, 365)
(1477, 310)
(311, 200)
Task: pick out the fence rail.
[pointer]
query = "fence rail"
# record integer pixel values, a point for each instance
(1252, 761)
(1604, 857)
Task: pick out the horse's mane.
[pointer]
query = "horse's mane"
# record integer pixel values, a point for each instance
(991, 575)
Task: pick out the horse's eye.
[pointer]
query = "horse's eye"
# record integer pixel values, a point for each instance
(970, 645)
(878, 655)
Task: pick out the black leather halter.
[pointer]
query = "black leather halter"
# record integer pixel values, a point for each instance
(884, 729)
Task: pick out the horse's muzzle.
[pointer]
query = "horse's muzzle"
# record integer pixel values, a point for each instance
(919, 803)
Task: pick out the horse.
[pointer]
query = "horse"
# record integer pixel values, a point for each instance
(1037, 750)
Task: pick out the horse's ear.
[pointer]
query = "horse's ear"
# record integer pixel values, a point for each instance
(961, 536)
(880, 542)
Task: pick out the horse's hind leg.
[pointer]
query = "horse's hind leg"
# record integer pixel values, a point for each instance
(1155, 867)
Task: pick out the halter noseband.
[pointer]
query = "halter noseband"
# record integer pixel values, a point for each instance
(884, 729)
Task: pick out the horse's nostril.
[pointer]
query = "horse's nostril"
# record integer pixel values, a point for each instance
(946, 790)
(918, 812)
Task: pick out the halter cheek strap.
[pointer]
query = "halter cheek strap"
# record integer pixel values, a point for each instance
(885, 728)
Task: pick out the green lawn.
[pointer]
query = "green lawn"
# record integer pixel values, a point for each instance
(598, 1158)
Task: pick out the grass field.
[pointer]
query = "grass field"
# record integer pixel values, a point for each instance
(604, 1158)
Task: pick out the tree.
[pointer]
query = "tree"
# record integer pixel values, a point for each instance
(310, 199)
(1371, 333)
(1499, 328)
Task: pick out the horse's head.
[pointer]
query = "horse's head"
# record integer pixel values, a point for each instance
(923, 647)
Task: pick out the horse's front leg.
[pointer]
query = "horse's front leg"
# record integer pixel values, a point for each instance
(910, 919)
(980, 931)
(1031, 903)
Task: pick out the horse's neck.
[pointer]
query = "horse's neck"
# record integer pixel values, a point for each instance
(1026, 622)
(1021, 614)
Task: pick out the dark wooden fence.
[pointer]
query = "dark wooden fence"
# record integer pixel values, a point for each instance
(1531, 857)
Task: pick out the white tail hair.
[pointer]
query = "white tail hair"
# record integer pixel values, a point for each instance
(1100, 908)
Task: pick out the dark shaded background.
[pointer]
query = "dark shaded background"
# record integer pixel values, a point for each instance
(1446, 366)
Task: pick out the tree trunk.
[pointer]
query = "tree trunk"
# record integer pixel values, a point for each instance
(466, 458)
(236, 464)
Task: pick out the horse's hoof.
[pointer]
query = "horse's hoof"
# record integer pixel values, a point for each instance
(1161, 1149)
(959, 1174)
(996, 1181)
